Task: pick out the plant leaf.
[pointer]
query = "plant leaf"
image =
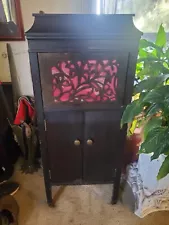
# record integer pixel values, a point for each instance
(150, 83)
(144, 71)
(148, 59)
(153, 109)
(161, 37)
(164, 149)
(144, 44)
(154, 140)
(151, 67)
(157, 95)
(167, 53)
(151, 124)
(164, 170)
(132, 127)
(132, 110)
(142, 53)
(165, 65)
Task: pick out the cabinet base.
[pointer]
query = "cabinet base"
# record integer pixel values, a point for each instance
(115, 192)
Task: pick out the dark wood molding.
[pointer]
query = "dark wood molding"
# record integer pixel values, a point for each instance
(79, 26)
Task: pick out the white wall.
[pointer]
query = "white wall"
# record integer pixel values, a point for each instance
(48, 6)
(19, 60)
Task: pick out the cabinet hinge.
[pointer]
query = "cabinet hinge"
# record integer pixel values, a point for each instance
(45, 125)
(114, 173)
(50, 174)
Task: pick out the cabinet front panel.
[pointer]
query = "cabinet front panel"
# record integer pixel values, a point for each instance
(64, 138)
(103, 145)
(82, 78)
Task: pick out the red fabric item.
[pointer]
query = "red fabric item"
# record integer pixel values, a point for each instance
(131, 150)
(21, 113)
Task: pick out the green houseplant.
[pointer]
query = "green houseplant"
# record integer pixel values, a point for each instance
(150, 105)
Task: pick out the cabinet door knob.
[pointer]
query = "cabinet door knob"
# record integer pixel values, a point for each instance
(77, 142)
(89, 142)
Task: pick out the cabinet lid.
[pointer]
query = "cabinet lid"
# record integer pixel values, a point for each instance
(83, 26)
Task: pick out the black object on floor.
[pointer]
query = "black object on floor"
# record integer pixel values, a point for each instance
(6, 167)
(12, 148)
(9, 149)
(6, 88)
(9, 210)
(5, 174)
(9, 152)
(8, 188)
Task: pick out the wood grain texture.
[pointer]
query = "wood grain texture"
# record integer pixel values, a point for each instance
(102, 157)
(63, 128)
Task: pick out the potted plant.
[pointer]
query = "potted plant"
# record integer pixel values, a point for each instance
(149, 109)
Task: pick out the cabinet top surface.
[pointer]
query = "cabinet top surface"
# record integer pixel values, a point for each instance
(75, 26)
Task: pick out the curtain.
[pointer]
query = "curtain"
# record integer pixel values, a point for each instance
(89, 6)
(109, 6)
(149, 14)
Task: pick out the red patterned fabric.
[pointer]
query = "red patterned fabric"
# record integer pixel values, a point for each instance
(89, 81)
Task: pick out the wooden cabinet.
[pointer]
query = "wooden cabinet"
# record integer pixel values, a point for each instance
(83, 71)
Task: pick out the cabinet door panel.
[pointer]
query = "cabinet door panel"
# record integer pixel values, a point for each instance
(95, 79)
(104, 154)
(65, 158)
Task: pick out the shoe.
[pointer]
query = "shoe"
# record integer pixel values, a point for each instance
(9, 210)
(4, 220)
(5, 174)
(8, 188)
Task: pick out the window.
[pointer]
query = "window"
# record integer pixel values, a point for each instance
(149, 14)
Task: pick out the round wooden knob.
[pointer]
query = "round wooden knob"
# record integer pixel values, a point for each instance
(89, 142)
(77, 142)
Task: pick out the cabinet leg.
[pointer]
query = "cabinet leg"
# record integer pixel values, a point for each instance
(49, 195)
(116, 187)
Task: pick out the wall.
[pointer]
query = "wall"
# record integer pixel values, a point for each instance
(18, 57)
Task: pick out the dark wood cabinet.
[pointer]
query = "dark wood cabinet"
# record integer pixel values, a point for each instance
(83, 76)
(84, 145)
(103, 129)
(63, 128)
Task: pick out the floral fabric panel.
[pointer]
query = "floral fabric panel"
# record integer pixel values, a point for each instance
(85, 81)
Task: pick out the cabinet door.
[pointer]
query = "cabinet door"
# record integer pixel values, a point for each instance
(65, 158)
(103, 145)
